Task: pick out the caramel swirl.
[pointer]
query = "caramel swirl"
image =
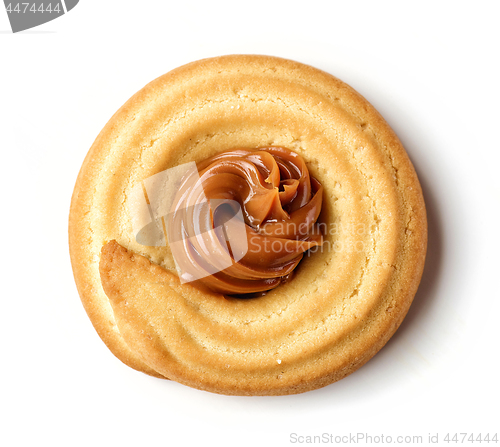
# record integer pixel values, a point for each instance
(241, 223)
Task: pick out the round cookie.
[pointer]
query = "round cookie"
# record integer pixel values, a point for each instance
(345, 300)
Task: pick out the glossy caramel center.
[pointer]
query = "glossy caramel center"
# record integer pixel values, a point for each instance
(241, 223)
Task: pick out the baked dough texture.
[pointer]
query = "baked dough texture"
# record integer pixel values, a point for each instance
(345, 300)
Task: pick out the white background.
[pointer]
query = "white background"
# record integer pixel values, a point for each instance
(431, 69)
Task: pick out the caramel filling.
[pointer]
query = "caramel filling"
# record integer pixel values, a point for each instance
(241, 223)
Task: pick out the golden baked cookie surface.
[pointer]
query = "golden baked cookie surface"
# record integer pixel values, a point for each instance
(345, 300)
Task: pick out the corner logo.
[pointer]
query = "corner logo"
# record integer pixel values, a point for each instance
(26, 15)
